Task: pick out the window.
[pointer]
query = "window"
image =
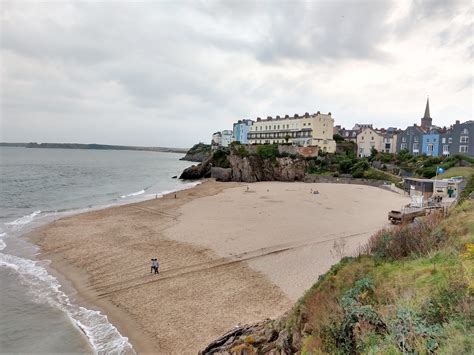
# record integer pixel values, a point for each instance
(463, 149)
(416, 146)
(403, 146)
(415, 139)
(386, 140)
(450, 140)
(443, 140)
(464, 139)
(427, 140)
(304, 124)
(445, 149)
(404, 139)
(362, 137)
(465, 131)
(430, 148)
(372, 137)
(278, 126)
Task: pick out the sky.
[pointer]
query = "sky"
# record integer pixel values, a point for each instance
(170, 73)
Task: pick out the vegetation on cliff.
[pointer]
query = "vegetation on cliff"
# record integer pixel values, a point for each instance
(199, 152)
(409, 291)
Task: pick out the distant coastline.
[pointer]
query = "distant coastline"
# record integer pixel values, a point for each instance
(93, 146)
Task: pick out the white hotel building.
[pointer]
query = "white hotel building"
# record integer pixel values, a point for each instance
(306, 130)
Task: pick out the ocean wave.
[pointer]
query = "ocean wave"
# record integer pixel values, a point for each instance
(2, 243)
(45, 288)
(20, 222)
(133, 194)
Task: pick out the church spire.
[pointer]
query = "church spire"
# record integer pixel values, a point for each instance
(427, 109)
(426, 121)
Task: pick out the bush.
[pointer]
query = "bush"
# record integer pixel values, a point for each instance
(345, 166)
(468, 189)
(219, 159)
(338, 138)
(404, 155)
(405, 240)
(241, 151)
(268, 151)
(358, 173)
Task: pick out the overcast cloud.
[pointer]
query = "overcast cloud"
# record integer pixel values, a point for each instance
(170, 73)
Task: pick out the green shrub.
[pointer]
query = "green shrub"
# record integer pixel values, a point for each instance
(242, 151)
(401, 241)
(267, 151)
(219, 159)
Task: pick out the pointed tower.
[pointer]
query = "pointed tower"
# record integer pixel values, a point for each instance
(426, 121)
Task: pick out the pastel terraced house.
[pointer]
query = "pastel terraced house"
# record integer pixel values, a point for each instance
(306, 130)
(367, 139)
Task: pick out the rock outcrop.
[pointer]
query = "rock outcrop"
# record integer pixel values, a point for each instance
(251, 167)
(198, 153)
(254, 168)
(199, 171)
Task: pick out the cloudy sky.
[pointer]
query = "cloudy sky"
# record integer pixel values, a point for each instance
(170, 73)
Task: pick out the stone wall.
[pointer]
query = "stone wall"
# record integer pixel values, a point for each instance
(342, 180)
(302, 151)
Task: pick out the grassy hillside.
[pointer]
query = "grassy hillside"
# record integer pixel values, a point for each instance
(410, 291)
(413, 295)
(465, 171)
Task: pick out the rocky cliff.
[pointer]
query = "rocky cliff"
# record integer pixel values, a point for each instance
(199, 152)
(240, 165)
(255, 168)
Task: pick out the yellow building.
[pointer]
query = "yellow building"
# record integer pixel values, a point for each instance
(306, 130)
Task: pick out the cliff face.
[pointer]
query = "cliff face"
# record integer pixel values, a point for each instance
(250, 168)
(199, 152)
(254, 168)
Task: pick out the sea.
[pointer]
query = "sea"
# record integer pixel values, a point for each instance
(37, 186)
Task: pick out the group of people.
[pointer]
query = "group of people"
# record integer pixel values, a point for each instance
(155, 265)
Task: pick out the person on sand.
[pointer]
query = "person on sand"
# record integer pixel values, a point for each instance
(157, 266)
(152, 265)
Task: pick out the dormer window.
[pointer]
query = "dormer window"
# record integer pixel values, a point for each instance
(465, 131)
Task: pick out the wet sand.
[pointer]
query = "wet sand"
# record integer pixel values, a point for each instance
(228, 255)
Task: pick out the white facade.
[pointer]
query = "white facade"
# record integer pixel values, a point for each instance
(226, 138)
(216, 140)
(306, 130)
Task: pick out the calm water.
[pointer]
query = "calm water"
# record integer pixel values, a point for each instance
(40, 185)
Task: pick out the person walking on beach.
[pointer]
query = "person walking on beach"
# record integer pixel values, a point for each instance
(157, 266)
(152, 265)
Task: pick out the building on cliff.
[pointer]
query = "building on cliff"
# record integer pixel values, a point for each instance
(306, 130)
(240, 131)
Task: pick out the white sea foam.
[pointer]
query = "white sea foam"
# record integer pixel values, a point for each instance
(133, 194)
(2, 243)
(20, 222)
(45, 288)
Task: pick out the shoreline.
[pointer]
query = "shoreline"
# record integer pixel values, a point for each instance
(91, 288)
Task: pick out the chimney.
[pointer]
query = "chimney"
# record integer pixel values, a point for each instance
(458, 122)
(258, 119)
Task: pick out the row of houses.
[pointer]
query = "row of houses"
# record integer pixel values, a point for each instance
(420, 139)
(318, 129)
(299, 130)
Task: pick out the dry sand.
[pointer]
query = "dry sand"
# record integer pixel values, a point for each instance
(227, 255)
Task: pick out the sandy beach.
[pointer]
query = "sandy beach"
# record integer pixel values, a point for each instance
(230, 253)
